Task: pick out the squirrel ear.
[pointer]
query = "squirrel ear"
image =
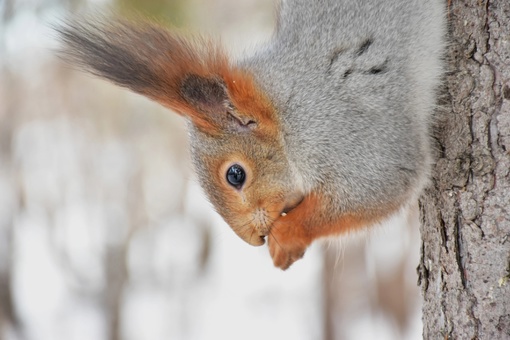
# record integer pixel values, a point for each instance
(209, 96)
(191, 76)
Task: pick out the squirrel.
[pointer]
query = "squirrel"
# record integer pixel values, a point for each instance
(324, 130)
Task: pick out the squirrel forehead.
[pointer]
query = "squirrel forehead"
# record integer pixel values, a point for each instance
(213, 151)
(249, 143)
(231, 144)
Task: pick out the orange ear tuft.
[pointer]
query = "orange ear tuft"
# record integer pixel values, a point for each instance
(190, 75)
(207, 61)
(190, 82)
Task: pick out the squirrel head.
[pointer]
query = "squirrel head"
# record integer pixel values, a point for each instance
(237, 141)
(240, 156)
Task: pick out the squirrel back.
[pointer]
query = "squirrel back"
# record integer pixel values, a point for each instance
(325, 129)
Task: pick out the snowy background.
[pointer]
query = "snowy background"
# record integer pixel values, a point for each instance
(104, 233)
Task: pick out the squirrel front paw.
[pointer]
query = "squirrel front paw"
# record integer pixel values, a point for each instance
(287, 243)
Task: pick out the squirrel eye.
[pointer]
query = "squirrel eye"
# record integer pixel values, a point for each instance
(236, 176)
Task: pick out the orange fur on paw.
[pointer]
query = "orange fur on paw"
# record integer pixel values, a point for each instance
(287, 242)
(291, 234)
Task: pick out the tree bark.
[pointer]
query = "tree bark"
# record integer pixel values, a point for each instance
(465, 259)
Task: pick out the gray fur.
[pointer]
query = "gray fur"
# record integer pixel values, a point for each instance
(355, 82)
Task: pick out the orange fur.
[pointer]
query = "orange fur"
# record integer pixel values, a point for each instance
(206, 59)
(293, 233)
(183, 59)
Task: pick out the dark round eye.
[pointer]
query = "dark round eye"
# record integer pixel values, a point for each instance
(236, 175)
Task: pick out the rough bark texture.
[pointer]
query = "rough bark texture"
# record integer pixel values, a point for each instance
(465, 266)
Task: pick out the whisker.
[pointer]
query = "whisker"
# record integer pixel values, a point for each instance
(271, 220)
(275, 239)
(247, 223)
(252, 231)
(245, 232)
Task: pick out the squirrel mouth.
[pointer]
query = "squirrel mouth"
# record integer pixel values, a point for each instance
(263, 223)
(255, 240)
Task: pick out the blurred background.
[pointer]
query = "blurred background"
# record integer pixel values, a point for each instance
(105, 234)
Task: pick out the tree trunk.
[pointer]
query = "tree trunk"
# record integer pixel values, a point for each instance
(465, 260)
